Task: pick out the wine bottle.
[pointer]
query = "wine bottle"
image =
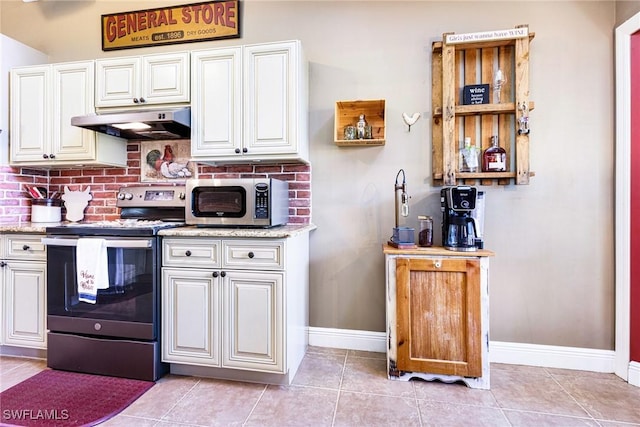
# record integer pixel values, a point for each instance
(494, 158)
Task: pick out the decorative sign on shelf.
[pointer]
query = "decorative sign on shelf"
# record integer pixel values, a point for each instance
(486, 36)
(475, 94)
(196, 22)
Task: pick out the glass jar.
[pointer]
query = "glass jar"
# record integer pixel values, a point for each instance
(425, 231)
(349, 132)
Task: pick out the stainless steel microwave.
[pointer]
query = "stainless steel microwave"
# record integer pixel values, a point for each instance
(241, 202)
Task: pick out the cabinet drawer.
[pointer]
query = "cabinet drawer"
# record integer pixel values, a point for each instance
(25, 246)
(252, 254)
(191, 253)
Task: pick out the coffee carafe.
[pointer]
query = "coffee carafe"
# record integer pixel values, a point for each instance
(462, 217)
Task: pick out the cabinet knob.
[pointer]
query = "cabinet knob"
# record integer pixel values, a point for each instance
(3, 264)
(52, 156)
(188, 253)
(437, 264)
(214, 274)
(45, 156)
(251, 254)
(142, 101)
(244, 150)
(237, 151)
(223, 274)
(135, 100)
(25, 247)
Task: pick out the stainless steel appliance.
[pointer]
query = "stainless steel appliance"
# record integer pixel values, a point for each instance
(462, 218)
(119, 334)
(168, 123)
(242, 202)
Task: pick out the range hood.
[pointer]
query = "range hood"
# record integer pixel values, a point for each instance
(135, 124)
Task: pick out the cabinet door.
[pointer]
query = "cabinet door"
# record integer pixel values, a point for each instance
(253, 321)
(30, 132)
(118, 82)
(439, 316)
(73, 95)
(271, 75)
(216, 103)
(190, 317)
(165, 78)
(24, 304)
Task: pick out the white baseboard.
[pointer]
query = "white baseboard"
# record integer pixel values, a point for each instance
(584, 359)
(634, 374)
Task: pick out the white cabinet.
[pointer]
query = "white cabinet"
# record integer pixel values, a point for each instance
(250, 103)
(43, 100)
(23, 290)
(142, 80)
(230, 304)
(12, 54)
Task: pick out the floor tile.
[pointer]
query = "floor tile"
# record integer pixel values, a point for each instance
(21, 372)
(162, 397)
(539, 393)
(454, 415)
(370, 376)
(537, 419)
(453, 393)
(606, 399)
(367, 354)
(121, 420)
(320, 370)
(216, 403)
(357, 409)
(294, 406)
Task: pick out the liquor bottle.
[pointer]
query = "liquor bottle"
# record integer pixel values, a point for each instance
(494, 158)
(468, 157)
(361, 127)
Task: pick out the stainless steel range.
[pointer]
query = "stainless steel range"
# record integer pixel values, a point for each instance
(116, 332)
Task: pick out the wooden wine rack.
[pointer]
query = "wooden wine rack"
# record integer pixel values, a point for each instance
(457, 64)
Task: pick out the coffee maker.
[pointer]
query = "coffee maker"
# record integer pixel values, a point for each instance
(462, 218)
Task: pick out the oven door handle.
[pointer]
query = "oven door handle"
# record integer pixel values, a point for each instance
(110, 243)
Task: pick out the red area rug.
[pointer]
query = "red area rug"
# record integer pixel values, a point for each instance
(54, 398)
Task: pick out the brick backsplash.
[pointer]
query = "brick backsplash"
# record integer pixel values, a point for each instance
(104, 184)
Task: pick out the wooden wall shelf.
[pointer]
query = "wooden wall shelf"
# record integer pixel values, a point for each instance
(457, 64)
(348, 112)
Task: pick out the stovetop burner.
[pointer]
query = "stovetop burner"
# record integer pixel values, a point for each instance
(144, 211)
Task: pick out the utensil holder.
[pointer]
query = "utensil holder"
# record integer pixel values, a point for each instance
(46, 210)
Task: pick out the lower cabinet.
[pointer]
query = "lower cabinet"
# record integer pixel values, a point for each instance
(243, 312)
(438, 315)
(23, 290)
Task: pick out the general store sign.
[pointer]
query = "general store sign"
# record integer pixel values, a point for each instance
(180, 24)
(494, 35)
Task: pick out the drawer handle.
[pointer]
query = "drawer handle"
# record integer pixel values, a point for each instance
(215, 274)
(223, 274)
(251, 255)
(188, 253)
(25, 247)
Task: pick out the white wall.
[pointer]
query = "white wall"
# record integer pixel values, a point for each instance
(551, 281)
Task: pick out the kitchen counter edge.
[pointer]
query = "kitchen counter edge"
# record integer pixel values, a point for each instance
(27, 227)
(435, 251)
(284, 231)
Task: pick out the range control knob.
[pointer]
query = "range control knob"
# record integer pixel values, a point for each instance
(120, 196)
(182, 196)
(128, 196)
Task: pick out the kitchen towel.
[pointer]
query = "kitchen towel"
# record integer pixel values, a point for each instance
(92, 268)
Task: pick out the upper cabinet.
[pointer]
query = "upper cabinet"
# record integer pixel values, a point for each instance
(250, 103)
(499, 66)
(43, 100)
(142, 80)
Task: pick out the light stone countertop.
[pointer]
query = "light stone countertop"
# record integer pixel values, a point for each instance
(268, 233)
(186, 231)
(27, 227)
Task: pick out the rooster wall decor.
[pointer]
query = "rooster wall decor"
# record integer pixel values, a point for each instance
(166, 165)
(410, 120)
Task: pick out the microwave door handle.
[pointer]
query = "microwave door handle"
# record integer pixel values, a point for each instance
(124, 244)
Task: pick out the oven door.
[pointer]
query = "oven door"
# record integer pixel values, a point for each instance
(128, 308)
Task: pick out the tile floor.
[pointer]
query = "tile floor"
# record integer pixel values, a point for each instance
(350, 388)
